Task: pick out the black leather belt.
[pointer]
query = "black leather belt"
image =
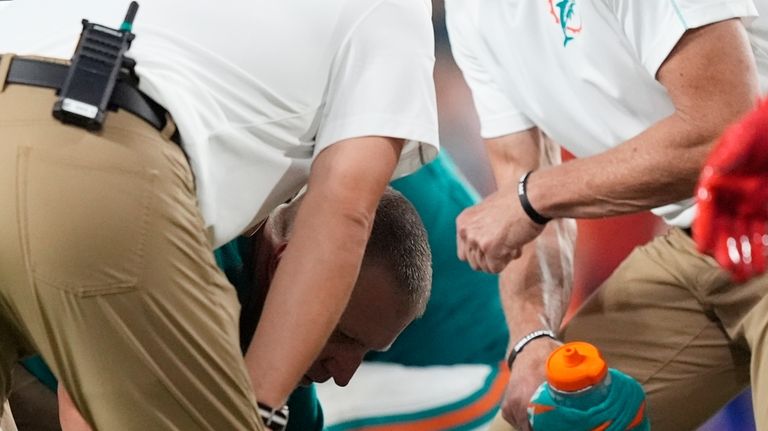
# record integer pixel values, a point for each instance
(25, 71)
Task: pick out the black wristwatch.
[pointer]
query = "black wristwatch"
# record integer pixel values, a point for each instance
(274, 419)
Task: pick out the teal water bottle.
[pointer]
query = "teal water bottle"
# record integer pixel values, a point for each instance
(582, 394)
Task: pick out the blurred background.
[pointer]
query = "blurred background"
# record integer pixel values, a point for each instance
(595, 258)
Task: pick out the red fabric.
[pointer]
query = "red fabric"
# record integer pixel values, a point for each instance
(601, 246)
(733, 197)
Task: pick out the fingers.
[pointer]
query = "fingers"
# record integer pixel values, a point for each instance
(461, 245)
(481, 245)
(476, 259)
(479, 261)
(467, 250)
(496, 265)
(750, 248)
(492, 264)
(518, 419)
(489, 235)
(724, 250)
(740, 248)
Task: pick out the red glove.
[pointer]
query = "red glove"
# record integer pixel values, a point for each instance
(733, 197)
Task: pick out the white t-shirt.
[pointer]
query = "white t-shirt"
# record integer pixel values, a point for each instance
(582, 71)
(259, 88)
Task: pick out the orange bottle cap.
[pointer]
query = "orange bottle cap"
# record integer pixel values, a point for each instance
(575, 366)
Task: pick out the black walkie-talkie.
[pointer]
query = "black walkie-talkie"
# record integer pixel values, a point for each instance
(83, 100)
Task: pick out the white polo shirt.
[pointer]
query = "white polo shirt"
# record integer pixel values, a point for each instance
(259, 88)
(582, 71)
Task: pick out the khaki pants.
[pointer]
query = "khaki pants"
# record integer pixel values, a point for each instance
(671, 318)
(105, 269)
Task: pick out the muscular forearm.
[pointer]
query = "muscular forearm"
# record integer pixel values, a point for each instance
(535, 291)
(308, 294)
(658, 167)
(711, 79)
(536, 288)
(320, 265)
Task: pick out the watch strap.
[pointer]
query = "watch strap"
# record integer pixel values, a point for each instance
(520, 345)
(274, 419)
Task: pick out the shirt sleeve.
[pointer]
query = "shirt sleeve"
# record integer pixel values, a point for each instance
(497, 113)
(381, 83)
(654, 27)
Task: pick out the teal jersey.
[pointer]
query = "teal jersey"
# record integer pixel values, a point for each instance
(233, 258)
(305, 413)
(38, 368)
(303, 405)
(464, 322)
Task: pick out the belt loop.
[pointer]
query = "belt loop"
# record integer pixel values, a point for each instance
(169, 128)
(5, 67)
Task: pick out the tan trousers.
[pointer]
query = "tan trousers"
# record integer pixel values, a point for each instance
(105, 269)
(669, 317)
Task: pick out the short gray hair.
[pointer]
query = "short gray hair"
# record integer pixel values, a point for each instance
(399, 243)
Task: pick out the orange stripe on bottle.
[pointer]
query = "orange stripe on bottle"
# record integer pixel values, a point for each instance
(603, 427)
(455, 418)
(638, 417)
(540, 408)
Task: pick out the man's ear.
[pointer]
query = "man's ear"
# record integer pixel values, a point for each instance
(275, 260)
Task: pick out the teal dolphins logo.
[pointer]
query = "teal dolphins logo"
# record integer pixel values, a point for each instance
(564, 12)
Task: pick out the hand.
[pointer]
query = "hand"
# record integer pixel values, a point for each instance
(492, 233)
(527, 374)
(733, 198)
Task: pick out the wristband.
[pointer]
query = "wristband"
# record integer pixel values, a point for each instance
(526, 204)
(524, 342)
(274, 419)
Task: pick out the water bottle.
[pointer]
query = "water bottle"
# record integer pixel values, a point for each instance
(582, 394)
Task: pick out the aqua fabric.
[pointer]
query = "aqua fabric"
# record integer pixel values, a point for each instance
(625, 398)
(38, 368)
(464, 322)
(306, 414)
(231, 258)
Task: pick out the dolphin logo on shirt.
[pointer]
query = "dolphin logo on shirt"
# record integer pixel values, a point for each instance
(566, 17)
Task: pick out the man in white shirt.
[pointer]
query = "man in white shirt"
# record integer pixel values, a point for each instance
(638, 91)
(106, 254)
